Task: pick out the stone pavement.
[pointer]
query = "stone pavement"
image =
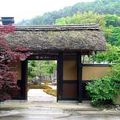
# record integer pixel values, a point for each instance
(49, 109)
(24, 110)
(39, 95)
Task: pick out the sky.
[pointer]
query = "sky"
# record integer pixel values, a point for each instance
(26, 9)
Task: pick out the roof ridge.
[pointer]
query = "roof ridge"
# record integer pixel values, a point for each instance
(58, 27)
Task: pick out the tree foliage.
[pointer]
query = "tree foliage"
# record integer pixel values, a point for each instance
(8, 77)
(98, 6)
(82, 18)
(111, 55)
(112, 20)
(112, 35)
(40, 68)
(101, 90)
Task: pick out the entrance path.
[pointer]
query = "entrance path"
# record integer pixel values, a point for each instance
(40, 95)
(23, 110)
(42, 106)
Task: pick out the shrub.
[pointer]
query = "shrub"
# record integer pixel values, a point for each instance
(101, 90)
(116, 80)
(106, 88)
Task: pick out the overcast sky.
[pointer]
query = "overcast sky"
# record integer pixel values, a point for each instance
(26, 9)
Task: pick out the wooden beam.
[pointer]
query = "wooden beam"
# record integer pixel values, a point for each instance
(42, 57)
(79, 76)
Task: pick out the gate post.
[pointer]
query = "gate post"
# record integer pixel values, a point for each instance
(23, 85)
(60, 76)
(79, 76)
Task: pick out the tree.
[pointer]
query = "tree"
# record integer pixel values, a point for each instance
(8, 56)
(113, 35)
(40, 68)
(112, 20)
(98, 6)
(111, 55)
(82, 18)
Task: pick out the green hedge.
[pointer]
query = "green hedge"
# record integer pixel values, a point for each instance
(107, 88)
(101, 90)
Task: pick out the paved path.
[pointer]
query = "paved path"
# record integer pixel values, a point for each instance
(39, 95)
(46, 113)
(23, 110)
(43, 107)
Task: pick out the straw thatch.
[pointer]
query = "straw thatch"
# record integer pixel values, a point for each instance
(58, 38)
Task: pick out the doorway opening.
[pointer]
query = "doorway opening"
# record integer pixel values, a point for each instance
(42, 80)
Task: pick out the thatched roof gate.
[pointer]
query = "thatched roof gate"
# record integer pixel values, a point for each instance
(62, 43)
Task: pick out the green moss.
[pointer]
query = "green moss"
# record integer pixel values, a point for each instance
(31, 86)
(51, 92)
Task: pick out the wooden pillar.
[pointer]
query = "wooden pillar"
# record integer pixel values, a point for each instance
(79, 76)
(60, 76)
(24, 80)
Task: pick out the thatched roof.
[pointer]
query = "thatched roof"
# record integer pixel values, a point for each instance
(58, 38)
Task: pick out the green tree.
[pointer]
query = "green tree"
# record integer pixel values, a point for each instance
(40, 68)
(98, 6)
(82, 18)
(112, 35)
(112, 54)
(112, 20)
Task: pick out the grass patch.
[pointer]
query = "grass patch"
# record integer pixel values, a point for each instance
(47, 89)
(51, 92)
(38, 86)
